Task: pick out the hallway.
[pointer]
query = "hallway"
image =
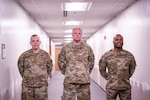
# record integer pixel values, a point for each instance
(17, 25)
(55, 88)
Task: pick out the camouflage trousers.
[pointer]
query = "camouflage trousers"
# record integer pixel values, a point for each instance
(123, 94)
(82, 91)
(38, 93)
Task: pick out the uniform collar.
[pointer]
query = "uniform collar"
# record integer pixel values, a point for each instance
(81, 45)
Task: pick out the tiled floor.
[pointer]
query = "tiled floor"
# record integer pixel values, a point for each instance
(55, 90)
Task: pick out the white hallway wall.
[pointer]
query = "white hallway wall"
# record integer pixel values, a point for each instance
(16, 27)
(134, 25)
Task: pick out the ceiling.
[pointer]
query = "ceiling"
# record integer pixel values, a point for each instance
(49, 14)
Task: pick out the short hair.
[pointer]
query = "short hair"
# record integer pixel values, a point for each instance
(76, 28)
(34, 35)
(117, 35)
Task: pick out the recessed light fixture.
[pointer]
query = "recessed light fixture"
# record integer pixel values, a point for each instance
(68, 36)
(77, 6)
(58, 43)
(68, 31)
(73, 23)
(68, 39)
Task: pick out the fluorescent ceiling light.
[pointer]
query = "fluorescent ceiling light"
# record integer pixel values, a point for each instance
(68, 31)
(68, 36)
(58, 43)
(77, 6)
(68, 39)
(73, 23)
(77, 0)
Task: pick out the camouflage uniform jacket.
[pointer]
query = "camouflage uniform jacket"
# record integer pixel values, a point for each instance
(76, 63)
(120, 65)
(35, 68)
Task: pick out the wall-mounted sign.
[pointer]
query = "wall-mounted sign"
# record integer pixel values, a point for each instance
(3, 51)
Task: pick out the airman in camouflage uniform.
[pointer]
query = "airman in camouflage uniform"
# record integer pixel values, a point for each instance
(35, 67)
(117, 66)
(76, 61)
